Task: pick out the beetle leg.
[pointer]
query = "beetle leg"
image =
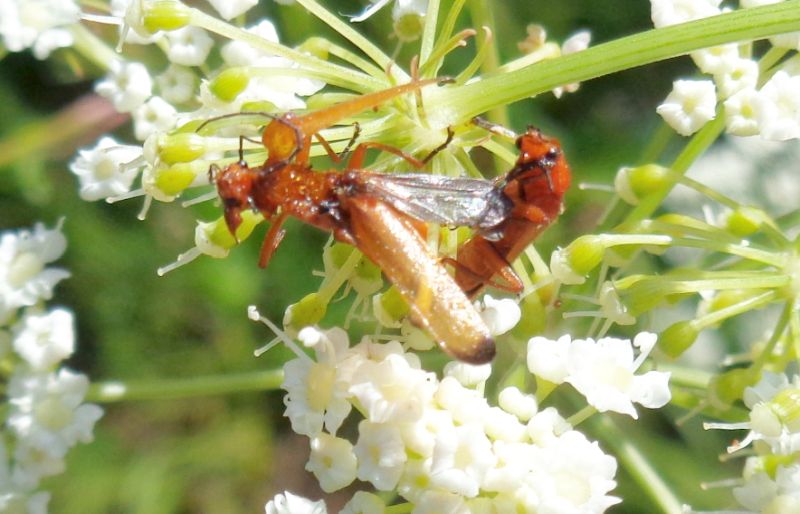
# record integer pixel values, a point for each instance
(272, 239)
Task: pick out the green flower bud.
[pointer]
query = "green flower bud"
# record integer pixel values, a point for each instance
(181, 147)
(219, 235)
(227, 85)
(746, 221)
(727, 388)
(633, 184)
(533, 319)
(165, 15)
(585, 254)
(677, 338)
(173, 180)
(308, 311)
(408, 27)
(390, 307)
(366, 279)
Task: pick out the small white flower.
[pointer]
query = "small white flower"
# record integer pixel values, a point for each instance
(500, 315)
(332, 461)
(672, 12)
(778, 107)
(716, 58)
(106, 170)
(603, 371)
(740, 113)
(314, 397)
(381, 455)
(546, 426)
(32, 464)
(230, 9)
(572, 475)
(391, 390)
(364, 503)
(48, 413)
(37, 24)
(500, 425)
(155, 115)
(736, 75)
(416, 479)
(24, 279)
(288, 503)
(437, 502)
(188, 46)
(461, 458)
(689, 106)
(127, 85)
(177, 84)
(45, 340)
(547, 359)
(763, 493)
(464, 405)
(772, 418)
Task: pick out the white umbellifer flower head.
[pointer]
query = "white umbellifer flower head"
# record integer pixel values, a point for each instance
(391, 391)
(740, 113)
(364, 503)
(155, 115)
(176, 84)
(44, 340)
(778, 107)
(736, 75)
(37, 24)
(230, 9)
(316, 395)
(672, 12)
(461, 458)
(24, 279)
(288, 503)
(332, 461)
(603, 371)
(127, 85)
(47, 411)
(108, 169)
(572, 475)
(381, 454)
(501, 315)
(188, 46)
(689, 106)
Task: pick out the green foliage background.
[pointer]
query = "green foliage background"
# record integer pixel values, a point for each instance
(229, 454)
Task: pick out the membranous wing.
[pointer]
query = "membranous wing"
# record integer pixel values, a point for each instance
(451, 201)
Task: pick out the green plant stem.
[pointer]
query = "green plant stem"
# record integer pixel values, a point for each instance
(620, 54)
(107, 392)
(638, 465)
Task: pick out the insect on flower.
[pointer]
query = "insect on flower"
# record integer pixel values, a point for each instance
(533, 191)
(368, 211)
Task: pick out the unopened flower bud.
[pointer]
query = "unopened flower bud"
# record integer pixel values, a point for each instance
(308, 311)
(165, 15)
(176, 178)
(227, 85)
(677, 338)
(633, 184)
(220, 235)
(181, 147)
(390, 307)
(727, 388)
(746, 221)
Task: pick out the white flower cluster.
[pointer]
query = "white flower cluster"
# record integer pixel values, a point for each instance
(754, 102)
(772, 476)
(437, 442)
(45, 415)
(180, 93)
(41, 25)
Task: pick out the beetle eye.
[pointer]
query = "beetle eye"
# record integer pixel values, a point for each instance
(519, 143)
(552, 154)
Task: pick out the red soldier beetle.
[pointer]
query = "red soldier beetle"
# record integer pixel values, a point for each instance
(363, 209)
